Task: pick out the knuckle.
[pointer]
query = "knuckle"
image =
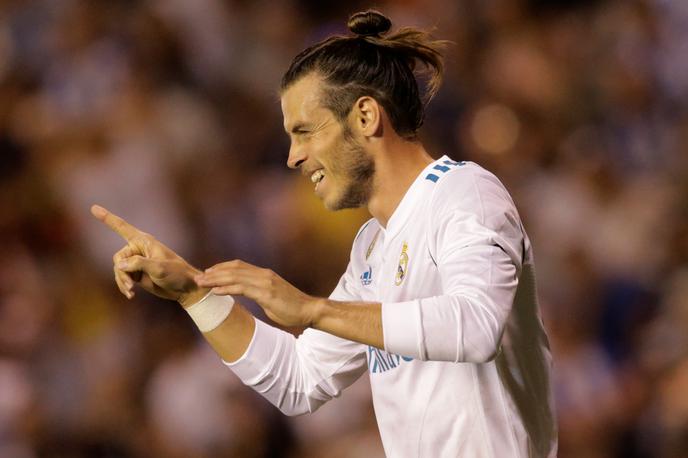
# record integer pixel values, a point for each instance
(120, 254)
(143, 241)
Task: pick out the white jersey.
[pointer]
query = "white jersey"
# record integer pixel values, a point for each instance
(466, 366)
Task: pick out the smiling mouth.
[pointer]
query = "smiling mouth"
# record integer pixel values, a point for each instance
(317, 177)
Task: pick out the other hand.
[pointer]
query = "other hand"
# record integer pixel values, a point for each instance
(283, 303)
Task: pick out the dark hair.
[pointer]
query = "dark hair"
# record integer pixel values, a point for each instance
(374, 64)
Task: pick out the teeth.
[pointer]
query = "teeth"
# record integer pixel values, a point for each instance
(317, 176)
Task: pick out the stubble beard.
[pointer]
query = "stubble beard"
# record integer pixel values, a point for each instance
(358, 168)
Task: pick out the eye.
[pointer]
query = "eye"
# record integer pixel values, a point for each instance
(303, 135)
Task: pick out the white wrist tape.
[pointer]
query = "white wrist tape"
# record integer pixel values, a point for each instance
(211, 311)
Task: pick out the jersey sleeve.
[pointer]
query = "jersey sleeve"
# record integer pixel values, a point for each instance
(476, 239)
(298, 375)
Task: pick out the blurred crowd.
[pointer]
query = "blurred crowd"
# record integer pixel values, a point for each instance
(167, 113)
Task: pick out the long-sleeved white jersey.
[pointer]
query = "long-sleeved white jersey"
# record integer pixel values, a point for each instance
(466, 366)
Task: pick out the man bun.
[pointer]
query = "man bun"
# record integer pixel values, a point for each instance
(373, 62)
(369, 23)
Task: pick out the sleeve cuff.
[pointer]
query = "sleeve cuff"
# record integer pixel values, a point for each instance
(251, 366)
(402, 330)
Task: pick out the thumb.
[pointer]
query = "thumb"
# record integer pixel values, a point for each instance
(141, 264)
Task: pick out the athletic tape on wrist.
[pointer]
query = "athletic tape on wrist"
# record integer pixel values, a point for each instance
(211, 311)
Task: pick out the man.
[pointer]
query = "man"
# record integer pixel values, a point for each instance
(438, 300)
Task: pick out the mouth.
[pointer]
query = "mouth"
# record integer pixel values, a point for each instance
(317, 177)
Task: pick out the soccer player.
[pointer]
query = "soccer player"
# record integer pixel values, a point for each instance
(438, 301)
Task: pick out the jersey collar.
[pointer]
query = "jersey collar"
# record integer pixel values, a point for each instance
(413, 195)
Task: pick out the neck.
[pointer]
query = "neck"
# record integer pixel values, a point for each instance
(397, 165)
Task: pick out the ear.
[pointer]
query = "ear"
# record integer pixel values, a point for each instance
(367, 116)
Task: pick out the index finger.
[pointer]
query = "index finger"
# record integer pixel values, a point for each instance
(114, 222)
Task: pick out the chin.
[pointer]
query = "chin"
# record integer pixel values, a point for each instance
(333, 205)
(338, 206)
(345, 202)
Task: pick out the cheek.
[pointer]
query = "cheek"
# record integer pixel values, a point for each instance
(328, 152)
(329, 148)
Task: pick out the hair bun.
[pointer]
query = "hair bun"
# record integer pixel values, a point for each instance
(369, 23)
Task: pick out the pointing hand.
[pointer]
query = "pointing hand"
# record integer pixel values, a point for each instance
(148, 262)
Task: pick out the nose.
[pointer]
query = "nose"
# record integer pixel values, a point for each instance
(297, 156)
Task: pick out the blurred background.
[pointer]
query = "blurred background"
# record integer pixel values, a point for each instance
(167, 113)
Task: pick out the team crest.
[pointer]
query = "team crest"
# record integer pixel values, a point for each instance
(403, 265)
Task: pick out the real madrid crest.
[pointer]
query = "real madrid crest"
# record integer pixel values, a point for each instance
(403, 265)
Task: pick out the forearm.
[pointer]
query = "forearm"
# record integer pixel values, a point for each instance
(356, 321)
(231, 338)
